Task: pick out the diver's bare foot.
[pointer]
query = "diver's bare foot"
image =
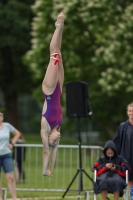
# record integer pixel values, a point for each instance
(60, 21)
(48, 173)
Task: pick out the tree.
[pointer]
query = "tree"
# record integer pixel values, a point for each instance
(115, 54)
(15, 77)
(96, 40)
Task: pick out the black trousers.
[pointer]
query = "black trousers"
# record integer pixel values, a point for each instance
(21, 169)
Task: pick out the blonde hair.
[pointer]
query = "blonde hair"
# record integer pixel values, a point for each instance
(129, 105)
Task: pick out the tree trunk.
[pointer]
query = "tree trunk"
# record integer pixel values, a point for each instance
(11, 107)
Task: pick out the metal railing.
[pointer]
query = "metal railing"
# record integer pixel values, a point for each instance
(67, 163)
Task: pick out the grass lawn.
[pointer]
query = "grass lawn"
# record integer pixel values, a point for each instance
(62, 175)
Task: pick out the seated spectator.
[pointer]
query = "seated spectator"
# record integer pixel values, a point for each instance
(111, 172)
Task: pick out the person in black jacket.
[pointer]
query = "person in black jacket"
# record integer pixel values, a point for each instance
(111, 172)
(124, 141)
(19, 157)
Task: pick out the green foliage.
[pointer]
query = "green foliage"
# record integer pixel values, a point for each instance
(15, 77)
(14, 42)
(96, 48)
(117, 52)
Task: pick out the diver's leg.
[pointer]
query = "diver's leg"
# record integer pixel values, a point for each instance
(51, 76)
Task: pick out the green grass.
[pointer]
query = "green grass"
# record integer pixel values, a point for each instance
(62, 175)
(36, 139)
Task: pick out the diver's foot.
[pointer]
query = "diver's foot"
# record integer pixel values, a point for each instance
(60, 21)
(48, 173)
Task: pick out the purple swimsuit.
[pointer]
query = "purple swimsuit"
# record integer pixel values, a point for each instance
(53, 113)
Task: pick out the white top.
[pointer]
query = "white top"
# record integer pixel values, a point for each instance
(5, 137)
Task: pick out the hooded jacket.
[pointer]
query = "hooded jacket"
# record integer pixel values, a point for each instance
(120, 162)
